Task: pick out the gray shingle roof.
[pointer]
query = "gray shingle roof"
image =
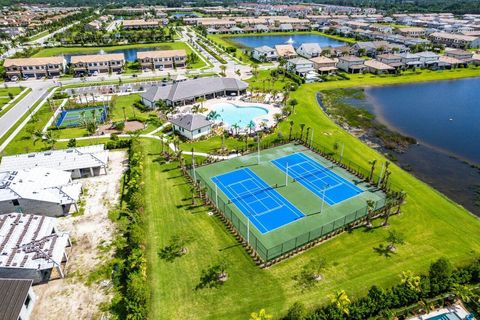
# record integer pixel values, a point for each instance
(191, 122)
(14, 293)
(193, 88)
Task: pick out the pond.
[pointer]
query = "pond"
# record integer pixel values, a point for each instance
(444, 118)
(130, 54)
(444, 115)
(272, 40)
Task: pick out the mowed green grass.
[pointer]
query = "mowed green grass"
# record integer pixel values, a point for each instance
(433, 227)
(57, 51)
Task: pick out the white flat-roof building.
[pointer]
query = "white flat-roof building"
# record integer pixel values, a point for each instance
(31, 248)
(82, 162)
(38, 190)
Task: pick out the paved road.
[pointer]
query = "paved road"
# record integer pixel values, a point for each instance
(39, 89)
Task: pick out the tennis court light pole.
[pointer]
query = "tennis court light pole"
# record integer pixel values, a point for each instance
(286, 175)
(258, 149)
(248, 231)
(381, 175)
(216, 195)
(323, 197)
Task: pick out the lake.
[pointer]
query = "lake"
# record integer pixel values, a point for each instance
(130, 54)
(444, 115)
(272, 40)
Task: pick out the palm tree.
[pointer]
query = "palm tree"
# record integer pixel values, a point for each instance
(389, 201)
(213, 115)
(341, 301)
(373, 163)
(251, 126)
(410, 280)
(293, 103)
(255, 70)
(261, 315)
(195, 108)
(201, 100)
(370, 208)
(291, 129)
(462, 292)
(302, 127)
(223, 68)
(393, 239)
(236, 127)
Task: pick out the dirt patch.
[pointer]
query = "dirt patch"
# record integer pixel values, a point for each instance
(129, 127)
(91, 233)
(133, 126)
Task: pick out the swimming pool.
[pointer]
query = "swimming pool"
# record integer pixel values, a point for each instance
(241, 115)
(445, 316)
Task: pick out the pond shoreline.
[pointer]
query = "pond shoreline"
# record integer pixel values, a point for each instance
(456, 178)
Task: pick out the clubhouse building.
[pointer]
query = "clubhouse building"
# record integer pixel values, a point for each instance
(187, 92)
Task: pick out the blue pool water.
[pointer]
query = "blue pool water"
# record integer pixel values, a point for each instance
(130, 54)
(446, 316)
(298, 39)
(231, 114)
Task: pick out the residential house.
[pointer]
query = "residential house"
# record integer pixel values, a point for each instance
(192, 126)
(97, 63)
(392, 60)
(309, 50)
(459, 54)
(261, 28)
(377, 67)
(428, 59)
(164, 59)
(187, 92)
(38, 191)
(142, 24)
(17, 299)
(351, 64)
(285, 27)
(324, 65)
(32, 248)
(455, 40)
(300, 66)
(410, 60)
(285, 51)
(81, 162)
(34, 67)
(264, 54)
(413, 32)
(446, 62)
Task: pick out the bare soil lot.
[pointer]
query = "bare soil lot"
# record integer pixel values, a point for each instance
(91, 233)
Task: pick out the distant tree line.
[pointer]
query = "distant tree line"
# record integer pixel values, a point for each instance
(397, 6)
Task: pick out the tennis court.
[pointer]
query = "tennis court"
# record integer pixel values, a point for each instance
(74, 117)
(259, 202)
(320, 180)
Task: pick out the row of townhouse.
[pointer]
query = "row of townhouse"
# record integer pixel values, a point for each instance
(91, 64)
(138, 24)
(455, 40)
(306, 66)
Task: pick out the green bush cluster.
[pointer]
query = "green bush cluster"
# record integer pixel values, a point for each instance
(129, 274)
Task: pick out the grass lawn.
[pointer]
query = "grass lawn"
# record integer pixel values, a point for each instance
(124, 108)
(48, 52)
(38, 35)
(429, 221)
(15, 100)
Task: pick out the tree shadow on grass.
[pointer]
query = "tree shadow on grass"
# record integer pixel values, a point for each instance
(383, 250)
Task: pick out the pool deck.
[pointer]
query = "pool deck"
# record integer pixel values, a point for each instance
(209, 105)
(458, 308)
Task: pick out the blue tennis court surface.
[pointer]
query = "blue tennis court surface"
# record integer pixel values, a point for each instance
(318, 179)
(260, 203)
